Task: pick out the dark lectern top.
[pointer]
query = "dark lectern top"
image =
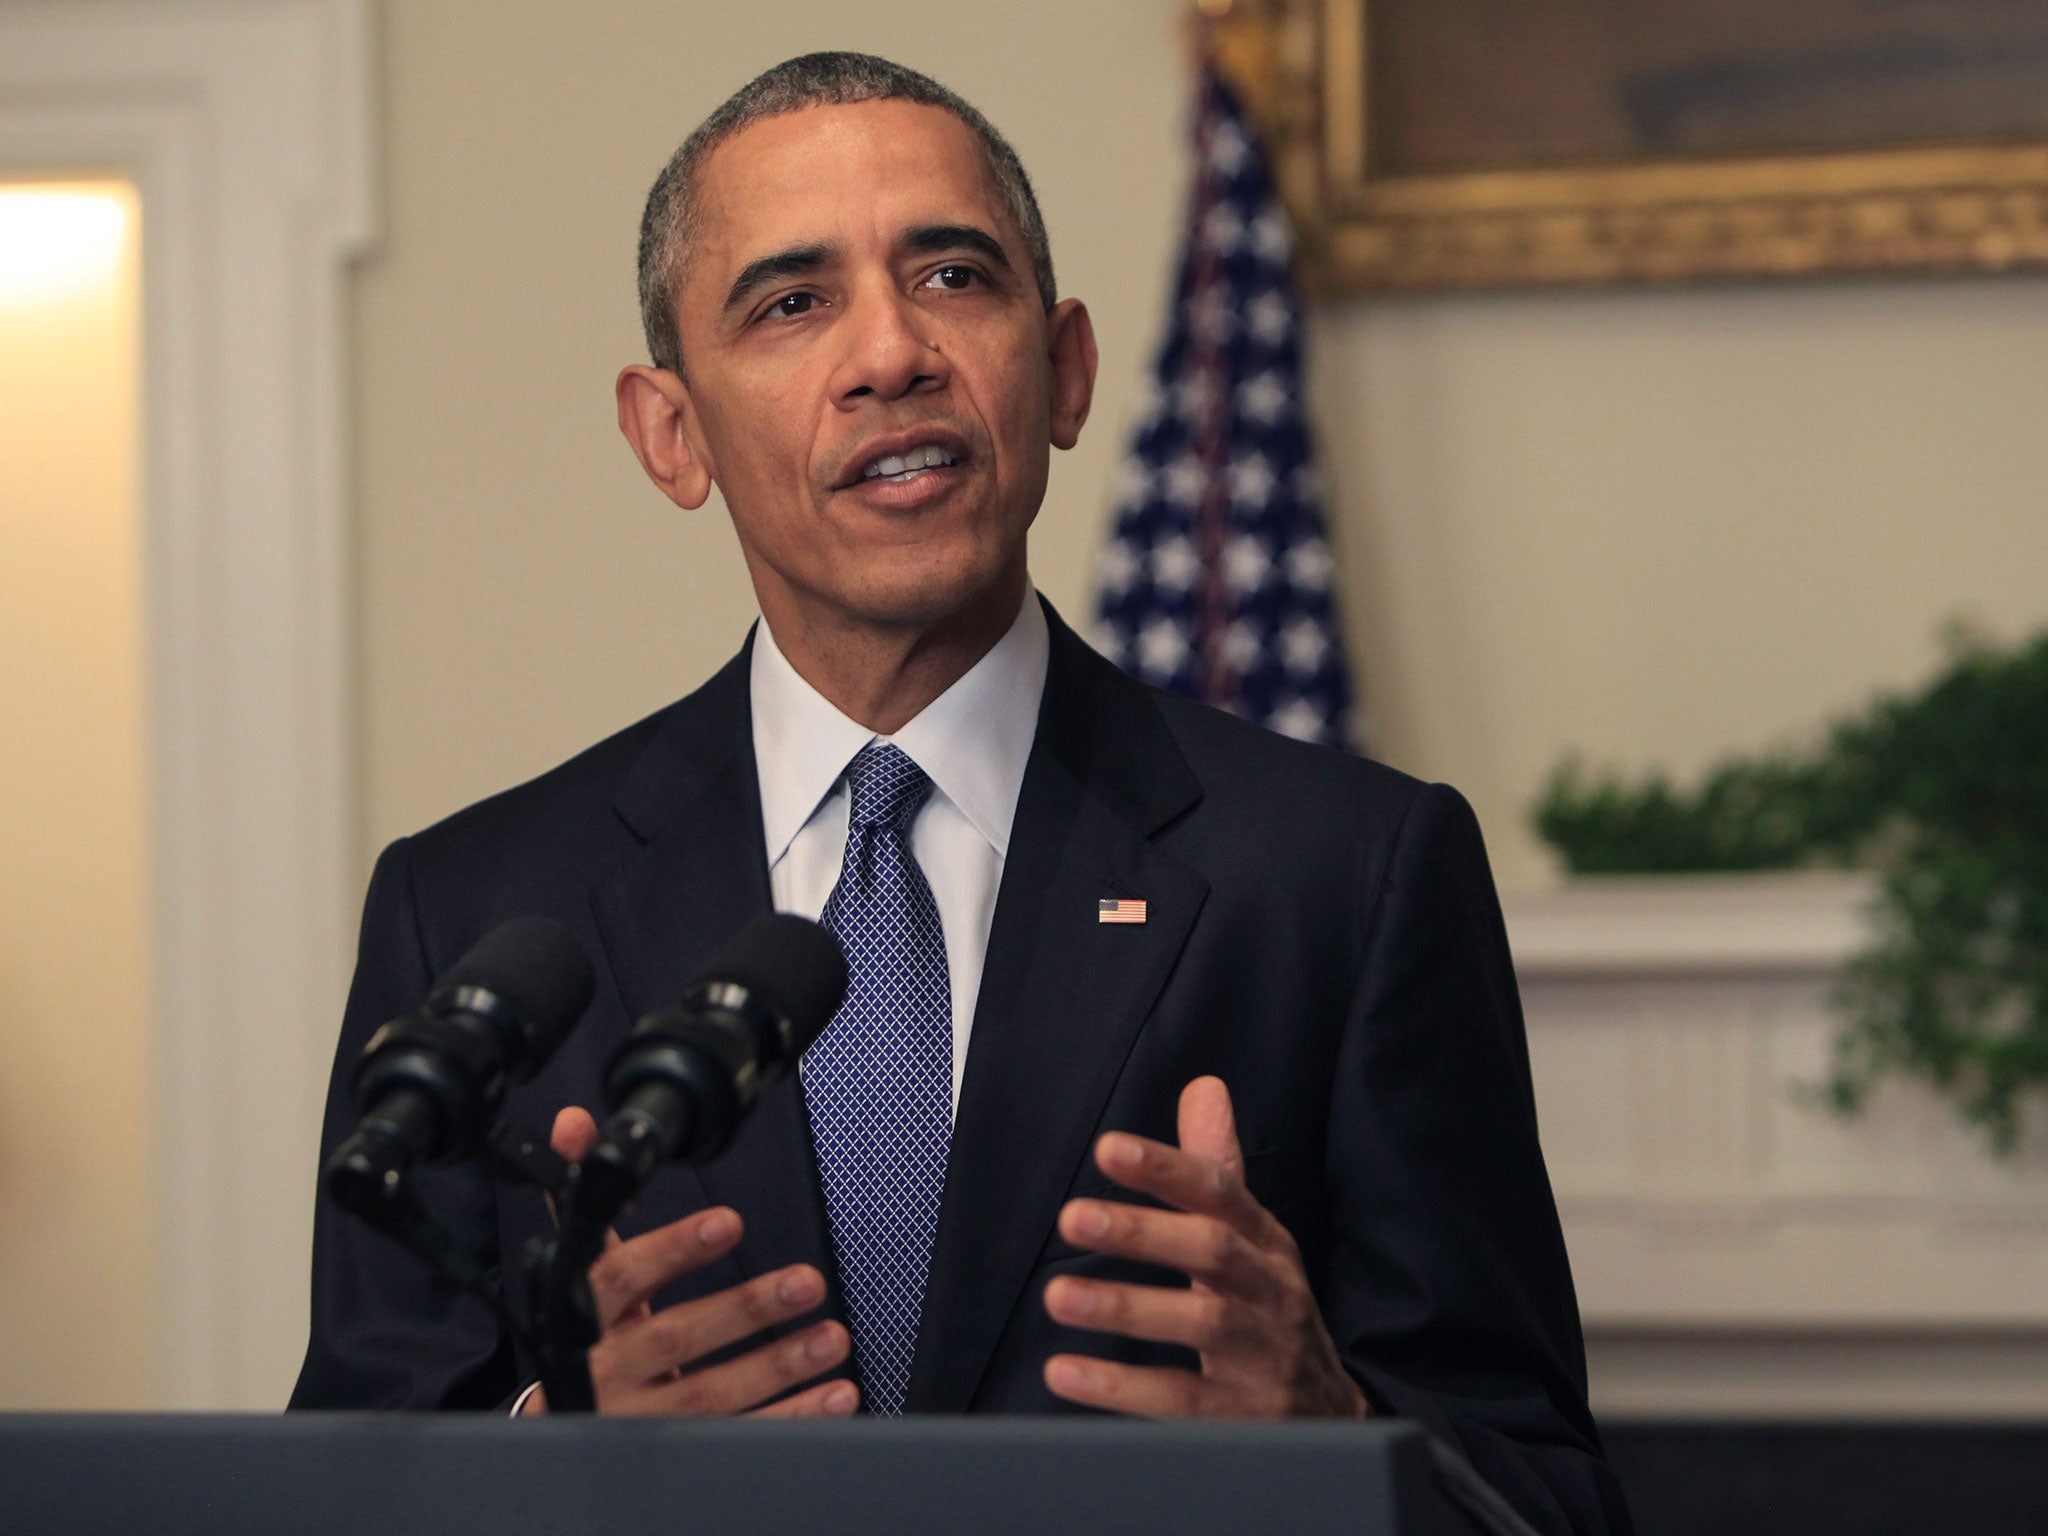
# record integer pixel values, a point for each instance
(443, 1475)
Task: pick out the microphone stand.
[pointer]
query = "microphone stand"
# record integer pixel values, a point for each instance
(547, 1307)
(555, 1315)
(559, 1314)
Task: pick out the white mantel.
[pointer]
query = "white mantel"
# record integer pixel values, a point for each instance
(1738, 1248)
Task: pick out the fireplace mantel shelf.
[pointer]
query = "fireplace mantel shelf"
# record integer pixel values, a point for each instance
(1659, 924)
(1739, 1248)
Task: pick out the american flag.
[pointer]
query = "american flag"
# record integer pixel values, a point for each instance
(1216, 579)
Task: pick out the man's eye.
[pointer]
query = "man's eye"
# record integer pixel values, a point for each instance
(792, 304)
(955, 278)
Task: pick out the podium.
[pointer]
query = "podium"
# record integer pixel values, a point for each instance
(453, 1475)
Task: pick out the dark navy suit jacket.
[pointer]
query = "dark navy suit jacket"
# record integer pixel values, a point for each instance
(1322, 933)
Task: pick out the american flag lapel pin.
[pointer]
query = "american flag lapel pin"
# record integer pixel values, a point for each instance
(1119, 909)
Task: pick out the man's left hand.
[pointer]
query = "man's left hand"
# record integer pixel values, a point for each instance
(1248, 1310)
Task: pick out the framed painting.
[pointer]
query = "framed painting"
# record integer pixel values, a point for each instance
(1477, 143)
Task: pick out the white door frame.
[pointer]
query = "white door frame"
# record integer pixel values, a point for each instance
(247, 126)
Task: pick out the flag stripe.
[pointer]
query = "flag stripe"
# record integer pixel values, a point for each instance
(1216, 582)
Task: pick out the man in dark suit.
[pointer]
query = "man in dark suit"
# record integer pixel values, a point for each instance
(1270, 1150)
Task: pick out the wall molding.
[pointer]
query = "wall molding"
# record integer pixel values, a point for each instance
(1738, 1248)
(1871, 1375)
(247, 126)
(1664, 924)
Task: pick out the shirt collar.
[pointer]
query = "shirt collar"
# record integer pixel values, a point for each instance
(973, 740)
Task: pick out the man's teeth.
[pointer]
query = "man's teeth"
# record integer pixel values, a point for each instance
(903, 466)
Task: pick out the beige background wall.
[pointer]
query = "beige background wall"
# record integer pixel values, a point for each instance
(77, 1324)
(1661, 526)
(1651, 525)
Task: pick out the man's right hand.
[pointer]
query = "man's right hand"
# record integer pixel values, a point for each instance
(643, 1362)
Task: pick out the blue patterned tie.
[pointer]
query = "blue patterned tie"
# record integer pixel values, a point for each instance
(879, 1081)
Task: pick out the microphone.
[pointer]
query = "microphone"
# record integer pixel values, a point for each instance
(686, 1077)
(429, 1084)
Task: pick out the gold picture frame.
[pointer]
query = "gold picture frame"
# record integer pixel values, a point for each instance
(1954, 201)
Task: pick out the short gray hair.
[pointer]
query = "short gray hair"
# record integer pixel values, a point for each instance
(813, 80)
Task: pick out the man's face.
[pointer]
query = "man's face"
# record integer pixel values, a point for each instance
(873, 379)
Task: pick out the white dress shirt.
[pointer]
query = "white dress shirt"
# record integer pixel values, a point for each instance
(972, 741)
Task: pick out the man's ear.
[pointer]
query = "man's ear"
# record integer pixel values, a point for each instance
(659, 419)
(1071, 342)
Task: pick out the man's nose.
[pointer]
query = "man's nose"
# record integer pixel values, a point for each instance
(888, 351)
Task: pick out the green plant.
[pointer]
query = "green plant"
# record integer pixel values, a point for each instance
(1944, 792)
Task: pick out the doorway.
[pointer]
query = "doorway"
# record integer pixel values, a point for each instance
(77, 1281)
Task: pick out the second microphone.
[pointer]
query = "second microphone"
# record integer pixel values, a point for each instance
(684, 1080)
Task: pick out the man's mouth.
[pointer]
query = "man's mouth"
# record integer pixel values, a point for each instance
(899, 468)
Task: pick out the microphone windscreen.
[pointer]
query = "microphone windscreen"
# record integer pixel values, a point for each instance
(538, 969)
(792, 964)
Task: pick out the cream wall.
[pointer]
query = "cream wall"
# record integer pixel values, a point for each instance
(1662, 526)
(77, 1260)
(1651, 525)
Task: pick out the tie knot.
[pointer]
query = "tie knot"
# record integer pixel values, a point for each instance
(886, 786)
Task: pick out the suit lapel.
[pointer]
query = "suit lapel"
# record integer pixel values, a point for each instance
(1062, 999)
(701, 875)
